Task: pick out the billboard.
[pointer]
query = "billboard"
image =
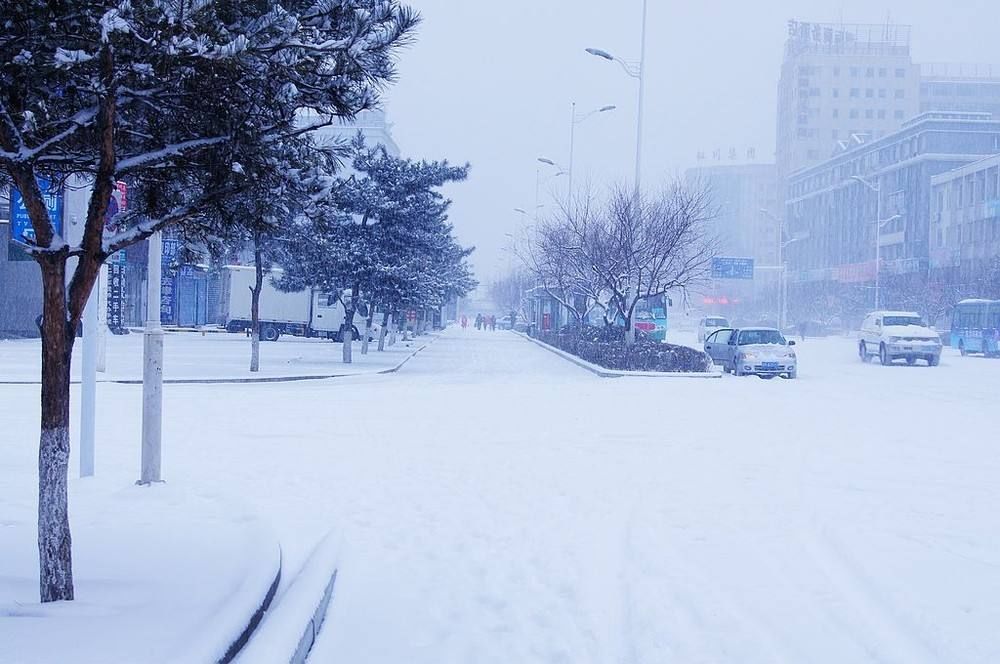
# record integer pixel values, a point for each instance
(20, 223)
(726, 267)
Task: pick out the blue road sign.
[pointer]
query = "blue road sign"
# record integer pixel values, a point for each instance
(725, 267)
(20, 223)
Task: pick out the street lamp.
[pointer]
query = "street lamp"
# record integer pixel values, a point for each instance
(782, 244)
(637, 72)
(538, 181)
(574, 121)
(879, 223)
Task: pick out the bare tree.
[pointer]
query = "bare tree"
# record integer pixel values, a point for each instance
(643, 247)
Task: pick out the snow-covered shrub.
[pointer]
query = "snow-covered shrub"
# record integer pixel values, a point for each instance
(605, 347)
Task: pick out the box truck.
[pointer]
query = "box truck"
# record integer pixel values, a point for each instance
(307, 313)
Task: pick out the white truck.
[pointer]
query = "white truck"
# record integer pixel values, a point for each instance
(307, 313)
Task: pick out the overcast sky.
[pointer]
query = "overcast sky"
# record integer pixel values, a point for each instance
(491, 83)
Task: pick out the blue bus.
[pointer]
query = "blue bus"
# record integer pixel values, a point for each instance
(650, 317)
(975, 327)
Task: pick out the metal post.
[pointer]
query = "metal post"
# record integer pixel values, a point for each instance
(88, 387)
(642, 92)
(878, 238)
(572, 142)
(152, 369)
(538, 185)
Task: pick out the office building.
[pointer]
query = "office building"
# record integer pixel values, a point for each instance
(832, 211)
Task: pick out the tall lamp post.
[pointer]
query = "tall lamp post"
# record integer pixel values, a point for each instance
(637, 72)
(576, 119)
(879, 223)
(539, 180)
(782, 266)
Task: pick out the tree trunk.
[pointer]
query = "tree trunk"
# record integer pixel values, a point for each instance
(629, 332)
(395, 328)
(55, 555)
(347, 330)
(368, 330)
(258, 285)
(385, 328)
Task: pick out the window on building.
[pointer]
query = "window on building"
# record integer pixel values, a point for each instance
(898, 115)
(869, 93)
(836, 92)
(854, 72)
(854, 113)
(855, 92)
(813, 92)
(900, 93)
(836, 113)
(803, 82)
(836, 71)
(869, 114)
(882, 92)
(870, 72)
(882, 72)
(900, 73)
(881, 114)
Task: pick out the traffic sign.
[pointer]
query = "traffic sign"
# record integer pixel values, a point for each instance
(726, 267)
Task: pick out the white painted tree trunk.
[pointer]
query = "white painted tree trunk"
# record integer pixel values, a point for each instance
(367, 335)
(348, 338)
(255, 350)
(382, 333)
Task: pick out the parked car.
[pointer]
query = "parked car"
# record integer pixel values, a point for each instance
(759, 351)
(710, 324)
(893, 335)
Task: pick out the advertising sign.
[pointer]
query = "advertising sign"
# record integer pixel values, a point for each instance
(116, 263)
(21, 229)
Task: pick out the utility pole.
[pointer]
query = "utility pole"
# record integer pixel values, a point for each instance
(152, 369)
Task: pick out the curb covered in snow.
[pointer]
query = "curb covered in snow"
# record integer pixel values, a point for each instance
(290, 627)
(249, 379)
(614, 373)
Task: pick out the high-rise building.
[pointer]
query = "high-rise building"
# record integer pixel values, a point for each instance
(746, 225)
(745, 198)
(842, 85)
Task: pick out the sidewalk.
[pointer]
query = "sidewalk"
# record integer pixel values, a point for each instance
(161, 575)
(193, 357)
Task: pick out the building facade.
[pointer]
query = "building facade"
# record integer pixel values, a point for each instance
(831, 207)
(746, 224)
(840, 85)
(965, 223)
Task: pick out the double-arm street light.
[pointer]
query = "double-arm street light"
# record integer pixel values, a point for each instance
(638, 72)
(879, 224)
(782, 266)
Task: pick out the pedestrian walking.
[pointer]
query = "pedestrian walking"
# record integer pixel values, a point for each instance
(493, 323)
(479, 321)
(465, 322)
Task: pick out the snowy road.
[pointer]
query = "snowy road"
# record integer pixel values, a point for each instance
(502, 505)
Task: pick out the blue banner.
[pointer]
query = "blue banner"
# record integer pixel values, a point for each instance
(21, 229)
(732, 268)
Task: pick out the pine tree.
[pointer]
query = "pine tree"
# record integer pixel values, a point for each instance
(161, 94)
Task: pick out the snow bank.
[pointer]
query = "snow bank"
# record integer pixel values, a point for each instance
(290, 626)
(162, 575)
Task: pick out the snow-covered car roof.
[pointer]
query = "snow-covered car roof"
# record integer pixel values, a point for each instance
(912, 314)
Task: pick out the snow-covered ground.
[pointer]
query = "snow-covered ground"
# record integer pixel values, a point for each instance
(213, 355)
(499, 504)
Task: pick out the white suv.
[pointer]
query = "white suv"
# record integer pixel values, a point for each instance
(893, 335)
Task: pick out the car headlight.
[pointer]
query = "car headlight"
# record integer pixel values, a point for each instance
(790, 354)
(749, 356)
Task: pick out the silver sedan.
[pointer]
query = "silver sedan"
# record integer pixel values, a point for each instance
(759, 351)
